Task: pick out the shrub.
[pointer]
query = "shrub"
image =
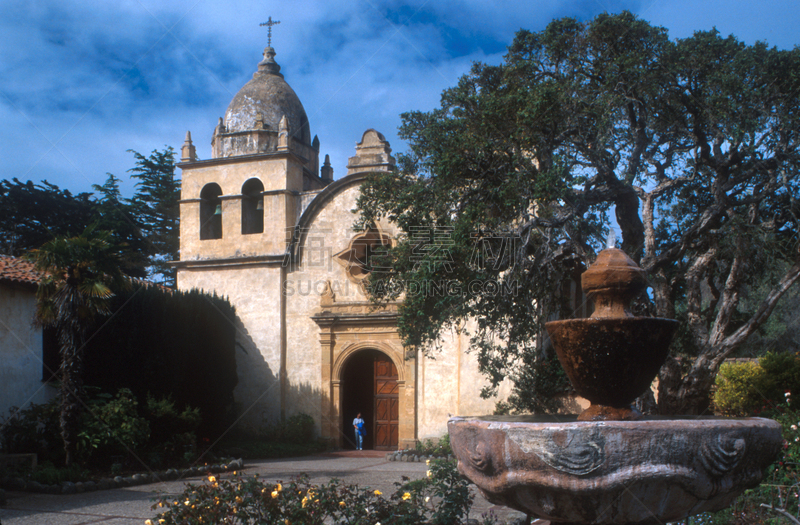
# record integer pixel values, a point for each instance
(781, 375)
(299, 428)
(743, 389)
(111, 426)
(34, 429)
(431, 447)
(442, 498)
(48, 474)
(737, 388)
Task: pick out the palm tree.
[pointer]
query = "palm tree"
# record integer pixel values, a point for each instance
(79, 276)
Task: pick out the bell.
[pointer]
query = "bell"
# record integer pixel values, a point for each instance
(218, 210)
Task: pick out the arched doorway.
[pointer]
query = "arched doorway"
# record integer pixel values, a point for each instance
(369, 386)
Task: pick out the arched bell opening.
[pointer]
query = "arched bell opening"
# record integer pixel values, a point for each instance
(252, 207)
(210, 212)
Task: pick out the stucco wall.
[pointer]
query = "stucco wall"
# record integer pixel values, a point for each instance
(255, 293)
(21, 351)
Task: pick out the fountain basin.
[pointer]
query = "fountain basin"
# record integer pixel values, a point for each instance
(613, 472)
(611, 361)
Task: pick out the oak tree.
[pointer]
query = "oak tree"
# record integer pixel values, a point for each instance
(688, 147)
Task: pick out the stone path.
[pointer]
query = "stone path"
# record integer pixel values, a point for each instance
(131, 505)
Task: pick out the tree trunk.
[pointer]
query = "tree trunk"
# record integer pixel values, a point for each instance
(72, 342)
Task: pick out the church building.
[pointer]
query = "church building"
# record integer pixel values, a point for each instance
(263, 224)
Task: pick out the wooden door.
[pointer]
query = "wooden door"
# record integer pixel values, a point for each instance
(387, 406)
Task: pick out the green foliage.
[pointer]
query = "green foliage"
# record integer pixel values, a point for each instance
(291, 437)
(167, 420)
(744, 389)
(781, 375)
(155, 206)
(143, 229)
(506, 190)
(738, 389)
(442, 498)
(36, 213)
(298, 428)
(48, 474)
(34, 429)
(80, 276)
(439, 447)
(111, 426)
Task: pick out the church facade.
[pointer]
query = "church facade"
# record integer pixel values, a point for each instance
(265, 225)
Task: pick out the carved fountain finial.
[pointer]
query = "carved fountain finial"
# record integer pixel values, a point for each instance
(612, 282)
(612, 357)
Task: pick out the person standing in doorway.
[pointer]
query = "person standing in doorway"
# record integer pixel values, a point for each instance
(360, 431)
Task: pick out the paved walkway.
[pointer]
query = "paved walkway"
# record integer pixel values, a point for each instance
(131, 506)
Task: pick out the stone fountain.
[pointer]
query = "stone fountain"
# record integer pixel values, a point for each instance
(610, 464)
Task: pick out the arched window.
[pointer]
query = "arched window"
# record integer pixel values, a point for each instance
(252, 207)
(210, 212)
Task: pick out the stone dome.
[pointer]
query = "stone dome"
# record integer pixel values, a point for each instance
(269, 97)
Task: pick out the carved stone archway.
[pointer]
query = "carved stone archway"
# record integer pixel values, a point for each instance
(345, 330)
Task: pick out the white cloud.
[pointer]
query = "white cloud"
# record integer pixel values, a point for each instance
(103, 77)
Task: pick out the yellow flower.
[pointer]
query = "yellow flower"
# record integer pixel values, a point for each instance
(285, 522)
(274, 494)
(378, 492)
(279, 488)
(406, 496)
(238, 499)
(429, 473)
(148, 522)
(162, 521)
(212, 479)
(305, 500)
(427, 461)
(186, 502)
(341, 504)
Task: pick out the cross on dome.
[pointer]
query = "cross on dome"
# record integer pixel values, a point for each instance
(269, 23)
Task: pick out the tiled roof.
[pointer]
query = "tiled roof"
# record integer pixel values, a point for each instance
(21, 271)
(18, 270)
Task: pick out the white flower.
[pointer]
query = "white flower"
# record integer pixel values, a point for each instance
(793, 427)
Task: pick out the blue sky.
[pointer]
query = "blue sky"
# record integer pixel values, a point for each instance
(81, 82)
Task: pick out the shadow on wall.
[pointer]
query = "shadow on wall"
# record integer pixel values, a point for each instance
(258, 394)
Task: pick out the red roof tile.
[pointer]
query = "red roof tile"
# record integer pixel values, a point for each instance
(18, 270)
(21, 271)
